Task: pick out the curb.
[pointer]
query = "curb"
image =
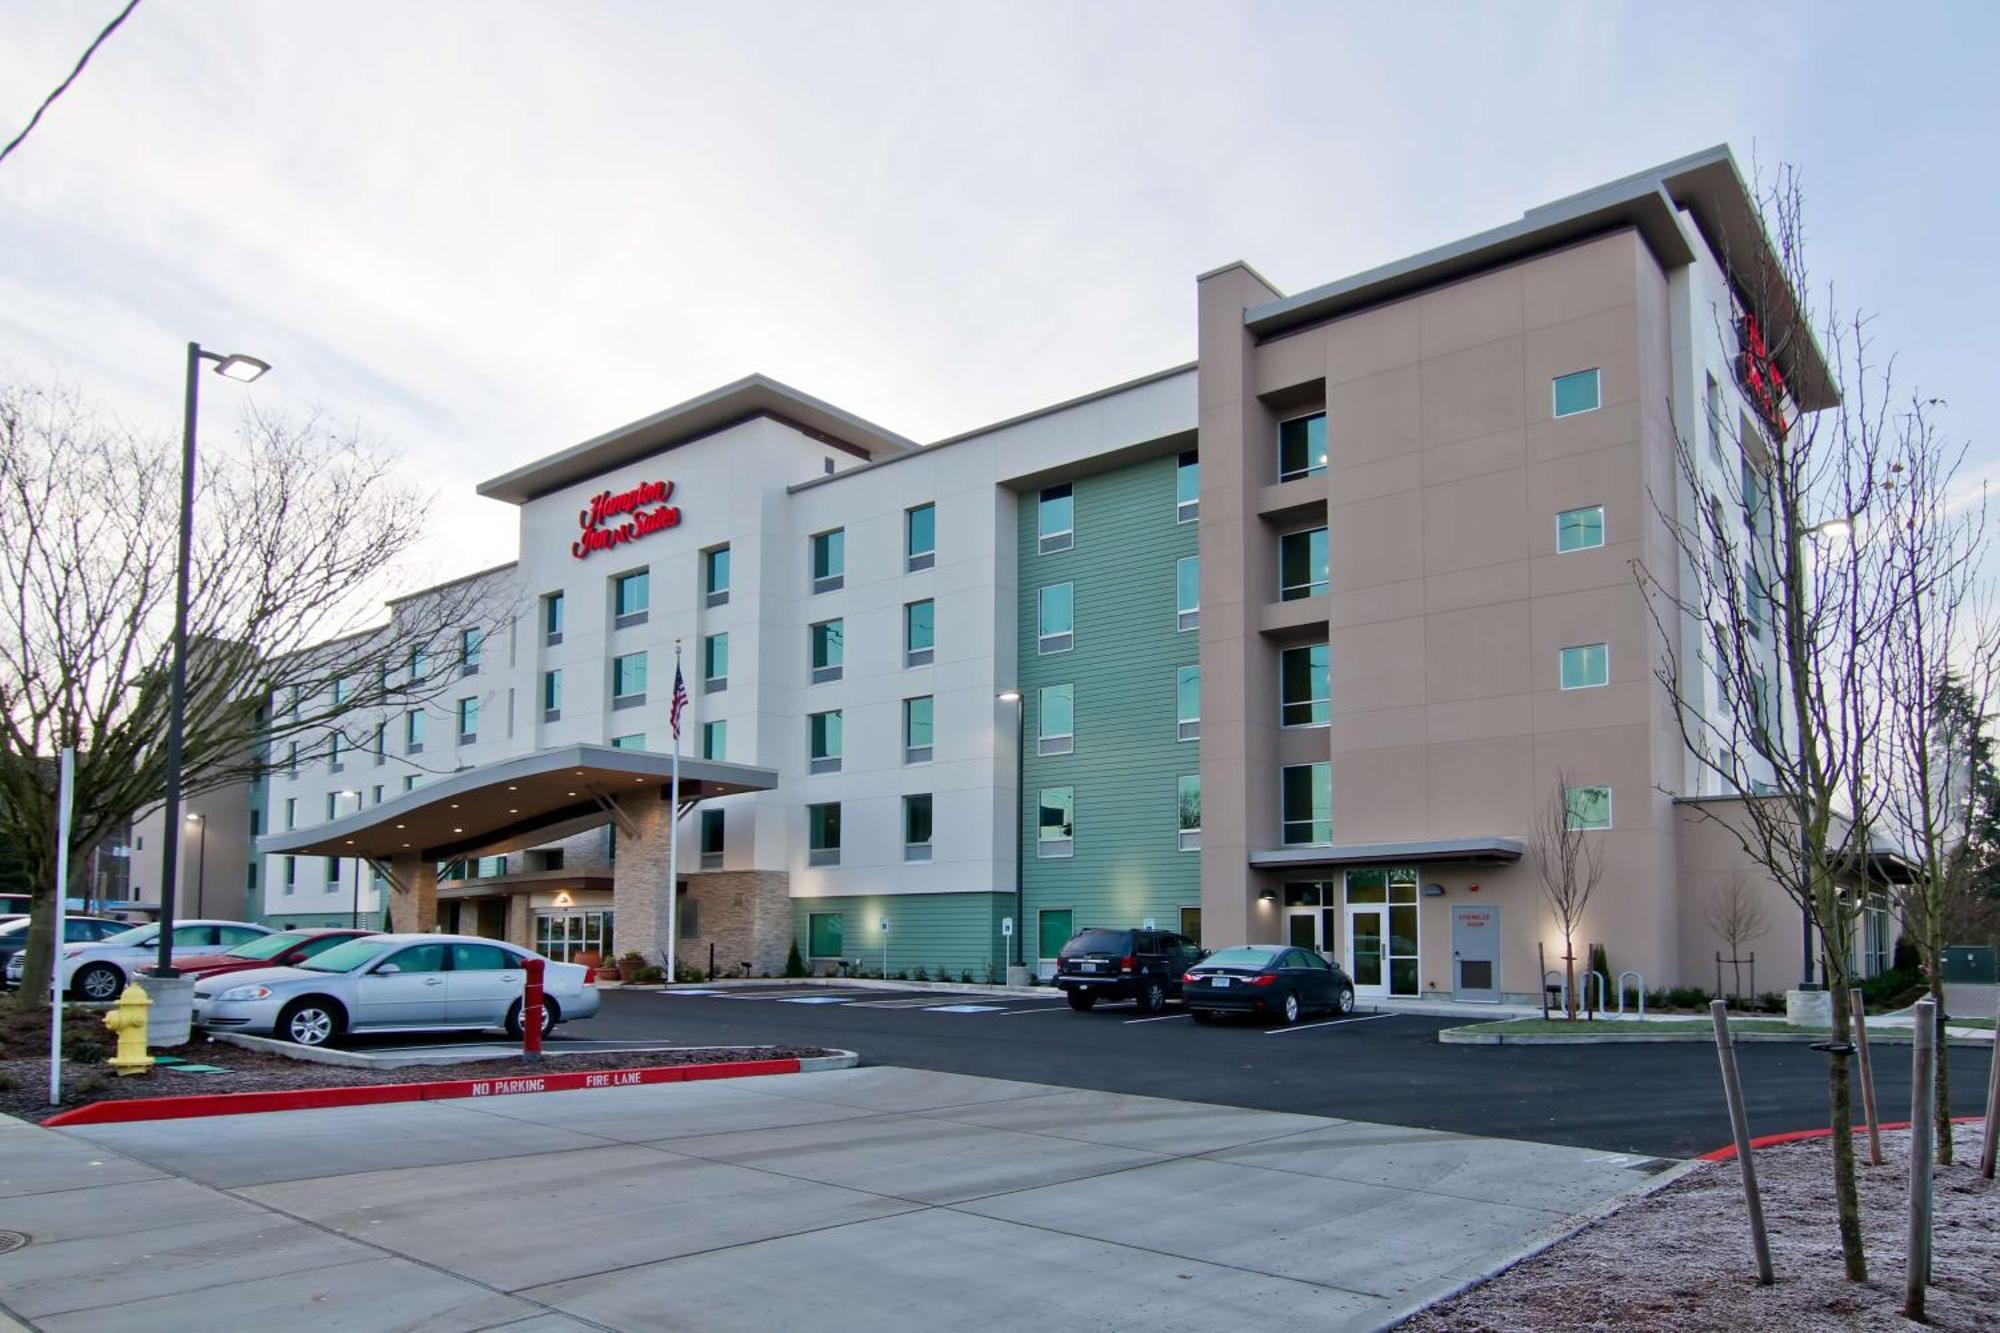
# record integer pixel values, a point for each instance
(1467, 1036)
(1727, 1152)
(304, 1099)
(869, 983)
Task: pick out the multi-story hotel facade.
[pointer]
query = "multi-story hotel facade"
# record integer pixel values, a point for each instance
(1290, 642)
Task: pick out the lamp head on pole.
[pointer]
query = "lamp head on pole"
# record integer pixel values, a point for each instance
(241, 368)
(1010, 696)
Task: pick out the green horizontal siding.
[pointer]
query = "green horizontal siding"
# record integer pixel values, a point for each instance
(1128, 761)
(958, 932)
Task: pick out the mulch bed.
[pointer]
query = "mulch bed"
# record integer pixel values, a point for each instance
(1680, 1259)
(24, 1082)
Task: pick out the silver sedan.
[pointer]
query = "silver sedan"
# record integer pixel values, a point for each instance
(392, 983)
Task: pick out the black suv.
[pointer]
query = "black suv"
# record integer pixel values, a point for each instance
(1144, 966)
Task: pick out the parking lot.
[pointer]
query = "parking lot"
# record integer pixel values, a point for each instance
(1663, 1100)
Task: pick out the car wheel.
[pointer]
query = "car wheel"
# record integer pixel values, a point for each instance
(1081, 1000)
(310, 1022)
(1153, 998)
(99, 982)
(550, 1017)
(1288, 1008)
(1343, 1001)
(1202, 1015)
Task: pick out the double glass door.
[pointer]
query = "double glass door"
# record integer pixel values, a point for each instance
(1366, 921)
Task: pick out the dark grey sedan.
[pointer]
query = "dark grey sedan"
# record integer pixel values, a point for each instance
(1266, 980)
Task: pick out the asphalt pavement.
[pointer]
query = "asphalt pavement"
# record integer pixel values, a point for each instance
(1660, 1100)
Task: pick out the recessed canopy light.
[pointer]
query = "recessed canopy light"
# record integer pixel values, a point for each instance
(350, 842)
(513, 789)
(513, 812)
(454, 805)
(399, 826)
(572, 793)
(458, 830)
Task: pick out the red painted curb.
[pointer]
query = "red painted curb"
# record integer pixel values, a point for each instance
(1728, 1150)
(302, 1099)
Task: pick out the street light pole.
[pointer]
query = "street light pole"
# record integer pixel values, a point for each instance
(242, 369)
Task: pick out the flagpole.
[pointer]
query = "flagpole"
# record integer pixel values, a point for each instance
(674, 818)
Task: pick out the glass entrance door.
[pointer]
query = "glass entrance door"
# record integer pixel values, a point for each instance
(1367, 941)
(1315, 928)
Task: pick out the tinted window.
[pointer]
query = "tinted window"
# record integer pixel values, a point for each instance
(83, 930)
(135, 937)
(1317, 963)
(319, 944)
(481, 958)
(238, 934)
(420, 958)
(267, 946)
(354, 953)
(185, 936)
(1098, 941)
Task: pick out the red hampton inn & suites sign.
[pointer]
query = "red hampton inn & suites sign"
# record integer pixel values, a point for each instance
(617, 517)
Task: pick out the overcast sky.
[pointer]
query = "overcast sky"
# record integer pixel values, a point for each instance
(486, 231)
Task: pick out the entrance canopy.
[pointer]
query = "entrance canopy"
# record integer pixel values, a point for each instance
(513, 803)
(1494, 851)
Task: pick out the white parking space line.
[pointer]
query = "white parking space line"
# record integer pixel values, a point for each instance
(815, 999)
(1029, 1007)
(1329, 1023)
(965, 1009)
(1157, 1018)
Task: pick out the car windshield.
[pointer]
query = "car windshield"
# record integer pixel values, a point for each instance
(136, 935)
(1098, 941)
(268, 946)
(1244, 955)
(355, 953)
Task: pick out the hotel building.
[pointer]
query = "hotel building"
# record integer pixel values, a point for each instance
(1289, 642)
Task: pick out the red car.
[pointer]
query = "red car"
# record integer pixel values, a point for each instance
(287, 948)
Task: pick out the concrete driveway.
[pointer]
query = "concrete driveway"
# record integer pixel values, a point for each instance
(878, 1198)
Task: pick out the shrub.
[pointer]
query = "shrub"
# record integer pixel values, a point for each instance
(1771, 1002)
(902, 974)
(992, 974)
(795, 966)
(1894, 989)
(966, 976)
(923, 973)
(1905, 956)
(647, 975)
(1687, 997)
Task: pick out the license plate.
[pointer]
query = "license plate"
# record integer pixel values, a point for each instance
(1089, 967)
(1218, 981)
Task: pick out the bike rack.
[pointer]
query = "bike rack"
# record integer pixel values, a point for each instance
(1603, 992)
(1639, 977)
(1554, 979)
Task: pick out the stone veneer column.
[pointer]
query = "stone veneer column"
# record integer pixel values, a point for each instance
(638, 877)
(520, 921)
(1236, 757)
(413, 904)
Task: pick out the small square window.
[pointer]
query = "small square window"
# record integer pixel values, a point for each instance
(1302, 564)
(715, 740)
(715, 663)
(1056, 725)
(1588, 807)
(917, 827)
(828, 646)
(1055, 520)
(1188, 811)
(1580, 529)
(1586, 666)
(715, 576)
(1305, 686)
(1187, 593)
(1575, 393)
(919, 633)
(631, 596)
(1056, 836)
(829, 560)
(1302, 447)
(823, 732)
(552, 695)
(919, 537)
(1055, 609)
(712, 828)
(823, 834)
(1187, 488)
(1187, 696)
(918, 729)
(628, 681)
(552, 618)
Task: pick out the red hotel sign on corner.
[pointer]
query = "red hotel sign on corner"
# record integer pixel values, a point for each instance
(605, 524)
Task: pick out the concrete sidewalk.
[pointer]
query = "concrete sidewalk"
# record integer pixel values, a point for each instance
(876, 1197)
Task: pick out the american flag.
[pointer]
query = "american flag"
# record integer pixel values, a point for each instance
(680, 701)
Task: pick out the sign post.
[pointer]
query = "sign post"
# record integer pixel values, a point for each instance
(67, 800)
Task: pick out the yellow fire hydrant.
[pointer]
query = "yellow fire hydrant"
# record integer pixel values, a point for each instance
(128, 1020)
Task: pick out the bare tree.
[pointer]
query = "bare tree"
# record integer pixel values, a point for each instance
(1570, 865)
(1737, 918)
(1773, 615)
(298, 530)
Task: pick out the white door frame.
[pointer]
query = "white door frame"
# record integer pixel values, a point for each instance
(1381, 911)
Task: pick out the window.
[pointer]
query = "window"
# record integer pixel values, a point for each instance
(823, 834)
(332, 871)
(1580, 529)
(291, 815)
(823, 741)
(1055, 608)
(1575, 393)
(715, 740)
(381, 743)
(552, 695)
(410, 781)
(292, 759)
(1187, 592)
(918, 716)
(1056, 834)
(715, 576)
(471, 647)
(917, 827)
(341, 690)
(468, 720)
(375, 795)
(715, 663)
(829, 560)
(1302, 447)
(634, 741)
(712, 827)
(1187, 700)
(1191, 925)
(824, 935)
(1055, 520)
(1588, 807)
(628, 681)
(1187, 488)
(919, 537)
(413, 733)
(1302, 568)
(1712, 401)
(333, 805)
(1760, 712)
(291, 873)
(1056, 719)
(1756, 601)
(919, 633)
(828, 651)
(420, 664)
(333, 751)
(1586, 666)
(631, 596)
(1189, 810)
(552, 618)
(1305, 686)
(1307, 794)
